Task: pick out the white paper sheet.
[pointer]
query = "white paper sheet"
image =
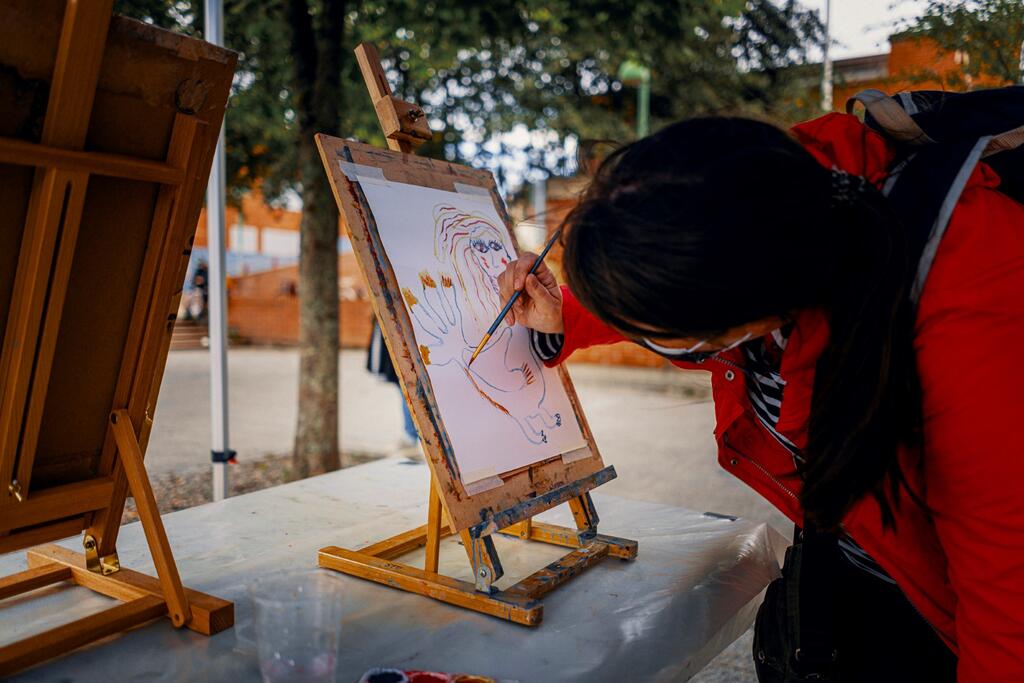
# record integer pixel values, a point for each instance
(447, 249)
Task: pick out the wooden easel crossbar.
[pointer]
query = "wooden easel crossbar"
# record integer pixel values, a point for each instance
(30, 515)
(508, 512)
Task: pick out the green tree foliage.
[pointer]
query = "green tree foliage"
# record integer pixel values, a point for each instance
(988, 32)
(480, 68)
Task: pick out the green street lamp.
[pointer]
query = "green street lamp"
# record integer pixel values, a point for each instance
(634, 73)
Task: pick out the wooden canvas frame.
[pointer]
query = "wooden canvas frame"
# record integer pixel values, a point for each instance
(524, 492)
(88, 491)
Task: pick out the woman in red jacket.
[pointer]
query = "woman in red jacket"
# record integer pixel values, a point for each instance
(889, 431)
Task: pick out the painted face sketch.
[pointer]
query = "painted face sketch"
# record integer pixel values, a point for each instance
(457, 304)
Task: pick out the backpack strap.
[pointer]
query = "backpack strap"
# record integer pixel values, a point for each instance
(925, 183)
(924, 194)
(892, 117)
(1005, 142)
(813, 589)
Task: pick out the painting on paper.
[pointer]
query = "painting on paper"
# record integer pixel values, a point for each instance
(447, 249)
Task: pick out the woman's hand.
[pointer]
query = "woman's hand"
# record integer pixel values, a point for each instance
(539, 307)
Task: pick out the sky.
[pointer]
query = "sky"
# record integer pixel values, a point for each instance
(862, 27)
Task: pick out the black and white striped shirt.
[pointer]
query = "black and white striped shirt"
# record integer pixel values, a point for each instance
(765, 388)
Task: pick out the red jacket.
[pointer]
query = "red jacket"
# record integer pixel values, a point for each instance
(961, 561)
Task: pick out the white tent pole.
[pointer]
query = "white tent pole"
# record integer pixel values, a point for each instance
(219, 448)
(1022, 63)
(826, 64)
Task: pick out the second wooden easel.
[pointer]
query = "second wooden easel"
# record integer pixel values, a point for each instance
(405, 127)
(96, 133)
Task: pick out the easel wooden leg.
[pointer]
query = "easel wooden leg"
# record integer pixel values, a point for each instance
(33, 578)
(209, 614)
(585, 515)
(143, 598)
(39, 648)
(152, 525)
(514, 608)
(433, 528)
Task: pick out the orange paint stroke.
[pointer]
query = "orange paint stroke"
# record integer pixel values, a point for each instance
(528, 373)
(425, 354)
(427, 280)
(481, 392)
(446, 280)
(409, 297)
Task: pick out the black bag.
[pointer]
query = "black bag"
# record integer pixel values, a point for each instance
(793, 634)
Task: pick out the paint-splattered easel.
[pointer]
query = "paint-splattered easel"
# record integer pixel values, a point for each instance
(509, 506)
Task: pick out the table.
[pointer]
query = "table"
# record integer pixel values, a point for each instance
(693, 589)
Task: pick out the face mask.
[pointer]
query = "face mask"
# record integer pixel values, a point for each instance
(690, 353)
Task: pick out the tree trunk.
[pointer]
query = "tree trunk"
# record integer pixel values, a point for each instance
(317, 51)
(316, 434)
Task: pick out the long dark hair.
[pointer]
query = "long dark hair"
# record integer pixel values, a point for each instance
(718, 222)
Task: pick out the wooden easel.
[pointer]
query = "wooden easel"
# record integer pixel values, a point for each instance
(47, 498)
(406, 127)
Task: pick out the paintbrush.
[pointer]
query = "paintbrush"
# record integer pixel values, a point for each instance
(513, 298)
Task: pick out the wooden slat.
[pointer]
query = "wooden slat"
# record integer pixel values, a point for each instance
(584, 513)
(519, 529)
(534, 506)
(149, 515)
(58, 503)
(73, 87)
(516, 609)
(42, 646)
(23, 153)
(433, 540)
(26, 538)
(403, 543)
(57, 289)
(377, 84)
(373, 73)
(83, 38)
(30, 579)
(555, 574)
(209, 614)
(622, 548)
(164, 253)
(21, 336)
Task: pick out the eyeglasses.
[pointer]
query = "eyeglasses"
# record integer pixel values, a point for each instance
(691, 353)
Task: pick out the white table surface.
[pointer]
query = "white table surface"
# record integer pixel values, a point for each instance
(692, 590)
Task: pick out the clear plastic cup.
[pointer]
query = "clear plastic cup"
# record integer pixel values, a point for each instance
(297, 619)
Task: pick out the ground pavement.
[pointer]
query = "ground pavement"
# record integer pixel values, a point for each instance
(654, 425)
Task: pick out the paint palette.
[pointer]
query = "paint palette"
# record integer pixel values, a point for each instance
(410, 676)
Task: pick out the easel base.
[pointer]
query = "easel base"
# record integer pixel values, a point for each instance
(141, 595)
(519, 604)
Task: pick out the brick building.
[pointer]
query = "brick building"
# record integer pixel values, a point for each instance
(912, 63)
(262, 245)
(263, 307)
